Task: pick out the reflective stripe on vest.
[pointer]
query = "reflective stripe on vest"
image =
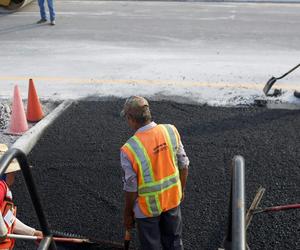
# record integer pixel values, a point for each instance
(9, 211)
(142, 158)
(150, 188)
(172, 142)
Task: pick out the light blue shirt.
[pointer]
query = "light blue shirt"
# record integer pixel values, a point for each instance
(130, 177)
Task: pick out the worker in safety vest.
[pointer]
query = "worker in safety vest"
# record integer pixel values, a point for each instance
(8, 222)
(156, 169)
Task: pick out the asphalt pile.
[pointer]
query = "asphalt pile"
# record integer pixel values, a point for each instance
(78, 174)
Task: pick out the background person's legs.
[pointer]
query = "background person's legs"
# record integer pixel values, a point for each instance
(42, 9)
(149, 233)
(51, 10)
(171, 229)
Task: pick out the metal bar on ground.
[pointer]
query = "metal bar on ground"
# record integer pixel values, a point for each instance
(238, 204)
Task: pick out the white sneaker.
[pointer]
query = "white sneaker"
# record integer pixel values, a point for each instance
(52, 22)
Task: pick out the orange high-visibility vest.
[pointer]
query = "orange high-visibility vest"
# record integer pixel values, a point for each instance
(9, 211)
(152, 154)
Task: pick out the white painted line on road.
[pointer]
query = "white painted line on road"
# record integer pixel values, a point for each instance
(110, 13)
(87, 14)
(91, 81)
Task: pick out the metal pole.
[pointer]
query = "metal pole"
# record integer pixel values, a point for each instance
(238, 204)
(45, 243)
(228, 239)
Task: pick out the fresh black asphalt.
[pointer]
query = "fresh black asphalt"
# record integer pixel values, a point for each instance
(78, 175)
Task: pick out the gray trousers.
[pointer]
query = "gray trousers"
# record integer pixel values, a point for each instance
(163, 231)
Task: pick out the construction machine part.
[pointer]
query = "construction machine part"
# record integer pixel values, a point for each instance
(7, 6)
(272, 80)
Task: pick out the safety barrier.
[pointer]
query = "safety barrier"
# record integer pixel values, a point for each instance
(236, 232)
(13, 153)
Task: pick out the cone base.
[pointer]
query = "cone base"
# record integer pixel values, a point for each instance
(6, 132)
(34, 120)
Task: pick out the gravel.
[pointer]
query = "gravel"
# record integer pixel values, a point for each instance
(4, 115)
(77, 171)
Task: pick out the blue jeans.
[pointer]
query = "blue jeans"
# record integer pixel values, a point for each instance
(50, 7)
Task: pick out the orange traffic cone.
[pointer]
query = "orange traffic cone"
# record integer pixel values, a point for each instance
(34, 107)
(18, 124)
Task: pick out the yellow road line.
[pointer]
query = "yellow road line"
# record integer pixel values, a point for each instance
(183, 83)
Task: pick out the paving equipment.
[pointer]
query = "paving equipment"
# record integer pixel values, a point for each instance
(13, 5)
(273, 79)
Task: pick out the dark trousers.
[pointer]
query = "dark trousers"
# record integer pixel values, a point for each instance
(163, 231)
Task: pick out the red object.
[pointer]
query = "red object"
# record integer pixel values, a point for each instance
(18, 124)
(279, 208)
(7, 208)
(34, 107)
(2, 192)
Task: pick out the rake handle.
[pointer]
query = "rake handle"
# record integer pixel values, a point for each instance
(38, 238)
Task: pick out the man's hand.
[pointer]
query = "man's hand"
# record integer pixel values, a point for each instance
(38, 233)
(130, 198)
(182, 196)
(183, 174)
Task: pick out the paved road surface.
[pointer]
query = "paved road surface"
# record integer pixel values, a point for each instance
(120, 48)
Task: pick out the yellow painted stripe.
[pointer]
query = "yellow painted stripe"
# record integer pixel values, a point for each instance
(79, 81)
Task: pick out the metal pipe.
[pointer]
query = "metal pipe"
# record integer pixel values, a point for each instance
(39, 238)
(238, 204)
(45, 243)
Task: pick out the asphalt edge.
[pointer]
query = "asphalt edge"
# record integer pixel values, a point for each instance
(28, 140)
